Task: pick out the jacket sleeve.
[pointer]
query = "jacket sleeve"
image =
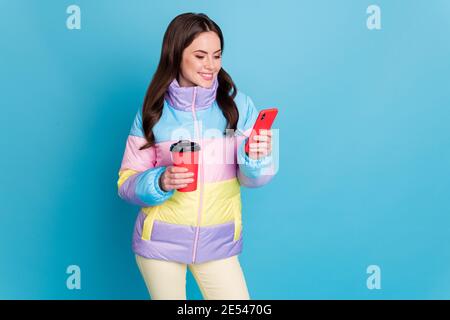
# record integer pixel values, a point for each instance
(253, 173)
(138, 177)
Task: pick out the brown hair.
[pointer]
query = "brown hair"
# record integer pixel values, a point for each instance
(180, 33)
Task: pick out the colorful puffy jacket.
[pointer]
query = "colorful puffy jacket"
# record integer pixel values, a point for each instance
(205, 224)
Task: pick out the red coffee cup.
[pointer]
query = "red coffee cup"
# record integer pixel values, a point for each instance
(184, 154)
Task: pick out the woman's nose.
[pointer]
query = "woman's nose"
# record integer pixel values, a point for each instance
(208, 63)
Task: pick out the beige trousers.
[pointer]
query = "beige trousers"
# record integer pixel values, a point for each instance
(218, 279)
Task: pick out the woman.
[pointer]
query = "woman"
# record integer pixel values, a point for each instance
(192, 97)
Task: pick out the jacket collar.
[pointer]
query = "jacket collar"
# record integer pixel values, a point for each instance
(181, 98)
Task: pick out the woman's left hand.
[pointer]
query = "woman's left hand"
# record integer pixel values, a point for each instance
(261, 146)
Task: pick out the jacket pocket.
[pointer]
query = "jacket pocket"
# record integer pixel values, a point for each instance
(237, 220)
(148, 224)
(237, 229)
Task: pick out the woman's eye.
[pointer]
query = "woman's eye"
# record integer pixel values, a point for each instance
(202, 57)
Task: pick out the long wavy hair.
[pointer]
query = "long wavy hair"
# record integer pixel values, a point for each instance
(180, 33)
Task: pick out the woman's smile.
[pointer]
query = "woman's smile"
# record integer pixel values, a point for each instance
(206, 76)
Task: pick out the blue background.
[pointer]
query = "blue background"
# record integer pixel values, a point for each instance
(364, 174)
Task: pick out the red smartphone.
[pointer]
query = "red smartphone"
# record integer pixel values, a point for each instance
(264, 121)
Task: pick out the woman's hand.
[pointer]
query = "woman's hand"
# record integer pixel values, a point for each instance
(175, 178)
(261, 146)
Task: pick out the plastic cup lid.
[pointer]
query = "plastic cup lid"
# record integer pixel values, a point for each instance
(184, 146)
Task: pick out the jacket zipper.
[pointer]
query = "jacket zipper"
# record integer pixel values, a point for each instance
(197, 231)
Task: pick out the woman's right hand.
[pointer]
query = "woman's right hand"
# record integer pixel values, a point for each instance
(175, 178)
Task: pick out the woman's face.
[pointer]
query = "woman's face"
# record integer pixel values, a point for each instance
(201, 61)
